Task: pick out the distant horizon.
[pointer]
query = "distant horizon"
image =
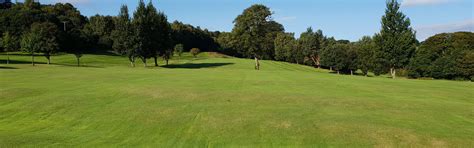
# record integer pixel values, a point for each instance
(348, 20)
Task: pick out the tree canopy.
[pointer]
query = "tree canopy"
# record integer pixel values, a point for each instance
(396, 40)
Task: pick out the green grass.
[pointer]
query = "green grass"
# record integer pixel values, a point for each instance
(215, 101)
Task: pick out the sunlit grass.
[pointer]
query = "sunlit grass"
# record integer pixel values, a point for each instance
(221, 101)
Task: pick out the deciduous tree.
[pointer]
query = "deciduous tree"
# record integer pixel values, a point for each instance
(255, 33)
(310, 46)
(8, 44)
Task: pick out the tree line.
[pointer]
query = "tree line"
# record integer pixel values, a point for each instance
(147, 34)
(49, 29)
(394, 50)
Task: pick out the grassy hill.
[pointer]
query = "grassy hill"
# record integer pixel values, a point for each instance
(216, 101)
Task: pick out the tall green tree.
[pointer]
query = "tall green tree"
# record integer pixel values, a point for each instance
(366, 54)
(123, 36)
(255, 33)
(397, 40)
(8, 44)
(121, 33)
(310, 46)
(49, 43)
(285, 43)
(30, 43)
(160, 34)
(143, 33)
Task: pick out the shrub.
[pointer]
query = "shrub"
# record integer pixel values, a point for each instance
(195, 51)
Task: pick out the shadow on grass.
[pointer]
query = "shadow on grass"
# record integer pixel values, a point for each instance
(349, 74)
(75, 65)
(19, 62)
(5, 67)
(29, 62)
(197, 65)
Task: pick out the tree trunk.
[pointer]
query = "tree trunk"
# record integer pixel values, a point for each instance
(352, 73)
(8, 58)
(78, 62)
(132, 60)
(33, 59)
(314, 61)
(338, 72)
(330, 68)
(391, 72)
(156, 61)
(318, 61)
(167, 62)
(49, 59)
(257, 64)
(144, 62)
(394, 73)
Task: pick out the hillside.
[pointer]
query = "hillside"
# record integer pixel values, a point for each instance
(219, 101)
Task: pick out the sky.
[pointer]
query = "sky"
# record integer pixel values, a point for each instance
(343, 19)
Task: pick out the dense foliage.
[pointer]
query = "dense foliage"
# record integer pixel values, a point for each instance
(445, 56)
(396, 40)
(147, 34)
(255, 33)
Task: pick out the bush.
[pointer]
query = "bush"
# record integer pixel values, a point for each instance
(195, 51)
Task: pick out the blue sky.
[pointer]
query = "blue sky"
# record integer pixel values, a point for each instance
(343, 19)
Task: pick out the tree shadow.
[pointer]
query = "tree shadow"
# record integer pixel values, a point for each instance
(75, 65)
(196, 65)
(5, 67)
(19, 62)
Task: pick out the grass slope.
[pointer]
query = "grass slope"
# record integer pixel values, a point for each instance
(216, 101)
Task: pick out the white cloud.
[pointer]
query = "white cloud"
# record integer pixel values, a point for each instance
(423, 32)
(409, 3)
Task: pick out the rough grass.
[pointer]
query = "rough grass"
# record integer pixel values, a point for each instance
(215, 101)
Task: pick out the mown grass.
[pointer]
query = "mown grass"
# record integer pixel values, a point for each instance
(215, 101)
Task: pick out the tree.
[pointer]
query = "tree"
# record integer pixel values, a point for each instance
(195, 51)
(123, 36)
(101, 27)
(255, 33)
(328, 57)
(179, 49)
(310, 46)
(443, 56)
(352, 58)
(465, 65)
(40, 38)
(49, 44)
(29, 43)
(194, 37)
(8, 44)
(159, 35)
(83, 41)
(167, 54)
(338, 57)
(121, 33)
(151, 31)
(285, 43)
(397, 40)
(366, 54)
